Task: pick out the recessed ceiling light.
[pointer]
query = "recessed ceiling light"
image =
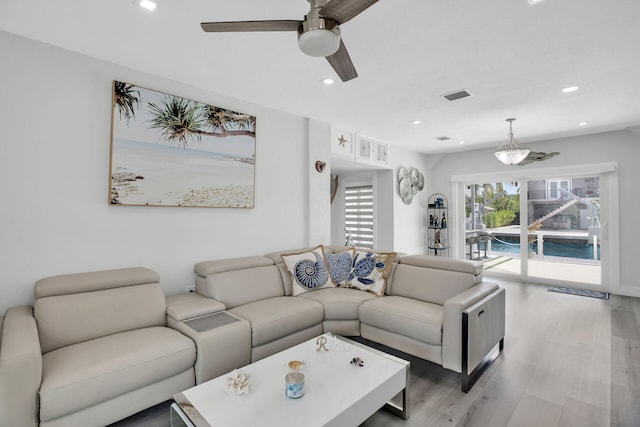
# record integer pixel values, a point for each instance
(532, 2)
(461, 142)
(570, 89)
(328, 81)
(147, 4)
(416, 122)
(583, 124)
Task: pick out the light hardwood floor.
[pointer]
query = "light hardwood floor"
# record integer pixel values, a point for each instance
(568, 361)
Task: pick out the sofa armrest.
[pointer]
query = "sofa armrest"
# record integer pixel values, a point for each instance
(223, 343)
(452, 323)
(187, 306)
(20, 368)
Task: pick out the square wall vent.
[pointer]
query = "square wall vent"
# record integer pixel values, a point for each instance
(459, 94)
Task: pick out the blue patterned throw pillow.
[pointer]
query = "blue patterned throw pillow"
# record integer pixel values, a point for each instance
(370, 270)
(308, 270)
(339, 266)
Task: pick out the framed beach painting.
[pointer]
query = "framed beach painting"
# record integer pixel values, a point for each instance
(171, 151)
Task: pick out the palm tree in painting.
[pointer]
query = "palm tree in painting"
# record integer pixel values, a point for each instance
(226, 122)
(126, 99)
(178, 120)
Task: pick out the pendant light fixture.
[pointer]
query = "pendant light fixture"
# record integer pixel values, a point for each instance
(511, 154)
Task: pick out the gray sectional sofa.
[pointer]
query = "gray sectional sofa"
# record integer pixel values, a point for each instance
(98, 347)
(435, 308)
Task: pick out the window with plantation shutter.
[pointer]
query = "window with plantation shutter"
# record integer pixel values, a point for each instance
(358, 215)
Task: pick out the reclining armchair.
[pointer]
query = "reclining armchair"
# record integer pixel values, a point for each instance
(92, 350)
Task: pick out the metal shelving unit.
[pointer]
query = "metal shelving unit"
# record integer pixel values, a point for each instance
(437, 225)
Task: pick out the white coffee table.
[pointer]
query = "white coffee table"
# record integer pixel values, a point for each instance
(337, 393)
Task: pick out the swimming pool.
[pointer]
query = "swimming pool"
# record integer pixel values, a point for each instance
(557, 248)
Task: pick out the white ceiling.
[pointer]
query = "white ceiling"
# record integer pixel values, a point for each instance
(512, 56)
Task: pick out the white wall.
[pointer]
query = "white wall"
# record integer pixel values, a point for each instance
(318, 190)
(409, 220)
(400, 227)
(55, 112)
(622, 147)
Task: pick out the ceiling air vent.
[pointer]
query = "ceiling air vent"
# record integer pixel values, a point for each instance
(442, 138)
(459, 94)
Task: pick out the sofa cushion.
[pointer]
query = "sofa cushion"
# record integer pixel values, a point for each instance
(370, 271)
(415, 319)
(73, 318)
(242, 285)
(339, 265)
(84, 374)
(93, 281)
(429, 284)
(308, 270)
(274, 318)
(339, 303)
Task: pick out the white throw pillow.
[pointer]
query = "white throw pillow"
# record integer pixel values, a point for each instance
(308, 270)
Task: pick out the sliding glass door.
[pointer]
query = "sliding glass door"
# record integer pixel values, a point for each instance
(563, 222)
(547, 226)
(492, 225)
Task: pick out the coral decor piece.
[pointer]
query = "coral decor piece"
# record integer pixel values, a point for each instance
(237, 383)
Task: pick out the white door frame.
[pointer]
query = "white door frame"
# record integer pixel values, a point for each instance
(609, 215)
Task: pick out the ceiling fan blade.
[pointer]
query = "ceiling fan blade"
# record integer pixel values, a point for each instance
(221, 27)
(343, 10)
(341, 63)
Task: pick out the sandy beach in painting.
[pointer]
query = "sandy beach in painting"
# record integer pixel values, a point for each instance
(158, 174)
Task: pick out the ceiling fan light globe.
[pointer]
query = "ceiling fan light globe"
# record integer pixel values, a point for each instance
(319, 42)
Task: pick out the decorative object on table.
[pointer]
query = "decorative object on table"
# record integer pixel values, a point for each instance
(321, 342)
(437, 228)
(410, 182)
(295, 365)
(172, 151)
(294, 385)
(320, 166)
(333, 188)
(237, 382)
(537, 156)
(356, 361)
(513, 153)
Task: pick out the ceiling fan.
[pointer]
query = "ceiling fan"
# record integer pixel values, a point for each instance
(318, 33)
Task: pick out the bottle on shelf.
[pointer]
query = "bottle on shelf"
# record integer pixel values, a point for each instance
(443, 222)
